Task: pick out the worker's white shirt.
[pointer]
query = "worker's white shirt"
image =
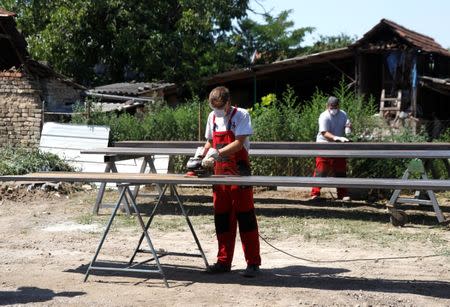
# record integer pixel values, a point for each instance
(333, 124)
(241, 124)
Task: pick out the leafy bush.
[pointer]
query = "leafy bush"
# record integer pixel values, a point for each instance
(20, 161)
(285, 120)
(187, 118)
(95, 117)
(160, 122)
(273, 119)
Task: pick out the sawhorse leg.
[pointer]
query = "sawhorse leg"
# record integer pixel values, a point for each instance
(110, 167)
(148, 161)
(147, 226)
(92, 266)
(398, 217)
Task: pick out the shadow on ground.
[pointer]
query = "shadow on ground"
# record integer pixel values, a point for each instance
(24, 295)
(325, 208)
(309, 277)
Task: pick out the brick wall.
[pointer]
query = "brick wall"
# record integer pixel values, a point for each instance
(58, 95)
(20, 110)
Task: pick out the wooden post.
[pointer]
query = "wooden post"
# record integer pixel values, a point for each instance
(88, 110)
(199, 137)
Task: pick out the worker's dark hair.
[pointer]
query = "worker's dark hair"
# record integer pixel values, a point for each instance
(332, 100)
(219, 96)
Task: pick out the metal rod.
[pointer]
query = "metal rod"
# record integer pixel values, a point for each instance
(105, 233)
(180, 203)
(147, 226)
(147, 237)
(124, 269)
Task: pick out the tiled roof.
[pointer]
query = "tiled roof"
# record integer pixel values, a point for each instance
(418, 40)
(13, 45)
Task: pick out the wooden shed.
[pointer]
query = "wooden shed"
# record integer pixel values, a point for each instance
(402, 69)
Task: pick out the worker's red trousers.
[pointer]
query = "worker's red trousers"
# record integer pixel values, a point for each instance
(233, 205)
(330, 167)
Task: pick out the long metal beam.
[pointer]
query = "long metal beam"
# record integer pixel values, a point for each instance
(295, 145)
(287, 181)
(293, 153)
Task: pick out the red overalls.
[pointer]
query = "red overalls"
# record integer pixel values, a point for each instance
(326, 167)
(234, 204)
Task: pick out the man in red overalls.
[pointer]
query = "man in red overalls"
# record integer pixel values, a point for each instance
(227, 146)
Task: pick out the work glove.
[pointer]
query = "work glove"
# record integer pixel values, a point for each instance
(340, 139)
(199, 152)
(348, 128)
(208, 160)
(212, 153)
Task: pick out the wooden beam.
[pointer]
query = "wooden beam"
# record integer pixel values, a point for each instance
(6, 36)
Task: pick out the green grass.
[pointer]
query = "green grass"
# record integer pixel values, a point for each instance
(345, 232)
(353, 233)
(166, 223)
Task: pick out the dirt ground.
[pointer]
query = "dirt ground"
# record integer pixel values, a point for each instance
(47, 241)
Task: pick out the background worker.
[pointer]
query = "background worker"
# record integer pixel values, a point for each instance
(333, 125)
(227, 133)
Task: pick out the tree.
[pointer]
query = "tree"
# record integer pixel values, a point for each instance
(331, 42)
(274, 39)
(97, 41)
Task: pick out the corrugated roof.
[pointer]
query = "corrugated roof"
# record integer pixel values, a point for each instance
(132, 89)
(418, 40)
(299, 61)
(436, 84)
(114, 106)
(5, 13)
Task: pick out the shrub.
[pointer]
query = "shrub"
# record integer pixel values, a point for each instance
(126, 127)
(20, 161)
(160, 122)
(285, 120)
(187, 118)
(273, 119)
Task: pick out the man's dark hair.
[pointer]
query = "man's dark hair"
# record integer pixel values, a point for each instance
(332, 101)
(219, 96)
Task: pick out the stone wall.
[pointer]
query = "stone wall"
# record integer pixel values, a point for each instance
(20, 110)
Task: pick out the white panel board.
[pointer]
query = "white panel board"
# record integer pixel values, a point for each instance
(67, 140)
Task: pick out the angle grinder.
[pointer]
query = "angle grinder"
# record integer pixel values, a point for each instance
(194, 165)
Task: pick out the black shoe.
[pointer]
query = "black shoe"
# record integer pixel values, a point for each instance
(252, 270)
(218, 268)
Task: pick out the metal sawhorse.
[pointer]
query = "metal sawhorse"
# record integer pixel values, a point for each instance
(398, 217)
(110, 161)
(126, 193)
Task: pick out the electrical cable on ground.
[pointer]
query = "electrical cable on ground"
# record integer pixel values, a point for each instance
(347, 260)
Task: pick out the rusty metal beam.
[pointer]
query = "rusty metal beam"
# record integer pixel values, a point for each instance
(287, 181)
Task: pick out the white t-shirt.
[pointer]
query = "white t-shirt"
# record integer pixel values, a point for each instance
(241, 124)
(333, 124)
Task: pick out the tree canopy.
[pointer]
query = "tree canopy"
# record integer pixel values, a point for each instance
(331, 42)
(182, 41)
(272, 40)
(113, 40)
